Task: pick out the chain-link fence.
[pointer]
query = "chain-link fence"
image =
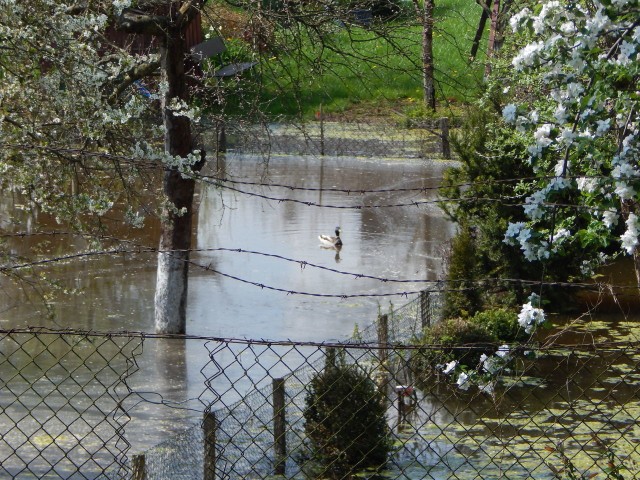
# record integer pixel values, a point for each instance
(60, 404)
(383, 404)
(383, 137)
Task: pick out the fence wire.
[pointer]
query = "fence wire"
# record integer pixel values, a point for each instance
(60, 404)
(380, 405)
(390, 137)
(567, 411)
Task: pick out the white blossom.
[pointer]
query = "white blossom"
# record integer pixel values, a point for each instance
(625, 191)
(603, 126)
(120, 5)
(530, 317)
(561, 114)
(509, 113)
(629, 238)
(528, 56)
(463, 381)
(449, 367)
(516, 20)
(610, 218)
(625, 53)
(513, 230)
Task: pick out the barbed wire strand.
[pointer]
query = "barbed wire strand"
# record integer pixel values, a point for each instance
(441, 285)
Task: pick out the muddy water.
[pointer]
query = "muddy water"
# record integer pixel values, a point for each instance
(116, 292)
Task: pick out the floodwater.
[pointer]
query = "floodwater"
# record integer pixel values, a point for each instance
(296, 302)
(387, 242)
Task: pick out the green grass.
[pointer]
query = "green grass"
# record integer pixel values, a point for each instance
(357, 69)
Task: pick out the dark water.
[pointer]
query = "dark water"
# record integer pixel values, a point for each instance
(116, 292)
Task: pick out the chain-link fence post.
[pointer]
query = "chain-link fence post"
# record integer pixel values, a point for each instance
(425, 309)
(279, 426)
(444, 135)
(139, 467)
(209, 427)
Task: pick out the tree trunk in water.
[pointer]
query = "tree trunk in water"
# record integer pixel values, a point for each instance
(175, 236)
(427, 55)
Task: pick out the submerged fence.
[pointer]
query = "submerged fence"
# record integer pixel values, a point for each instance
(382, 401)
(388, 137)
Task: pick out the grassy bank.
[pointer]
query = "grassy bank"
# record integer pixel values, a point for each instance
(356, 68)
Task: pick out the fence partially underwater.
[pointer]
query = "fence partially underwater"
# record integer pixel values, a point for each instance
(401, 137)
(566, 409)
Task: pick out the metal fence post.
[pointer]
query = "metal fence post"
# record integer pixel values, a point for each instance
(209, 427)
(444, 135)
(425, 314)
(279, 424)
(139, 467)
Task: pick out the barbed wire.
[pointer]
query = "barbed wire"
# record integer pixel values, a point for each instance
(217, 181)
(389, 190)
(440, 285)
(417, 203)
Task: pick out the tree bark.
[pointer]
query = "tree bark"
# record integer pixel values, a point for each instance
(494, 36)
(427, 56)
(475, 45)
(175, 236)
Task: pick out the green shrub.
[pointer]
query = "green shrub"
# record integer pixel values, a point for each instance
(501, 324)
(345, 420)
(456, 339)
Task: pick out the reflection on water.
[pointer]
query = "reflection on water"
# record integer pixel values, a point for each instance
(402, 242)
(394, 243)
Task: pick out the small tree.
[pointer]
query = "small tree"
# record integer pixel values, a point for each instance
(345, 420)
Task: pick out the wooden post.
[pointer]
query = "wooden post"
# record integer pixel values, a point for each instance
(383, 338)
(321, 131)
(138, 467)
(401, 413)
(444, 135)
(279, 426)
(209, 427)
(425, 314)
(222, 138)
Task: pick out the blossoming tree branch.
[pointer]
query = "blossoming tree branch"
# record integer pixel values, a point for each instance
(574, 98)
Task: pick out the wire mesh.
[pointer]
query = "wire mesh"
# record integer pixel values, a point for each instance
(375, 138)
(60, 414)
(381, 403)
(570, 410)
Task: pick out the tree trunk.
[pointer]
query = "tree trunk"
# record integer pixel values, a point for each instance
(427, 55)
(475, 45)
(175, 236)
(495, 36)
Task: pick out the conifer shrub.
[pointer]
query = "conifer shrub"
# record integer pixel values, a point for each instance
(462, 297)
(345, 421)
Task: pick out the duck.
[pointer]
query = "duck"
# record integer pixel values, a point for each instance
(329, 241)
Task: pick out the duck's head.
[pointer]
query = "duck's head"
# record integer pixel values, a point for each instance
(338, 230)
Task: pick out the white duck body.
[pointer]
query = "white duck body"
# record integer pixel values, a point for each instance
(329, 241)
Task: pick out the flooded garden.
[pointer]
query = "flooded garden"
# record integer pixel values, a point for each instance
(261, 276)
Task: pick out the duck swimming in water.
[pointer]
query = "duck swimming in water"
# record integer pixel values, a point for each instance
(329, 241)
